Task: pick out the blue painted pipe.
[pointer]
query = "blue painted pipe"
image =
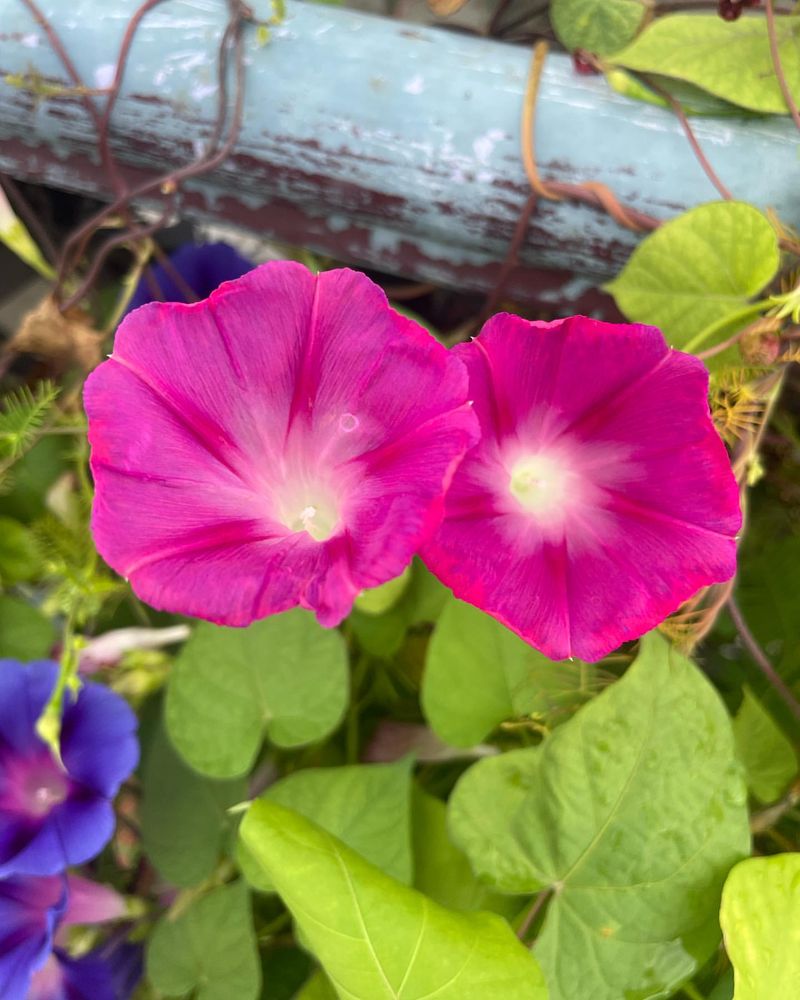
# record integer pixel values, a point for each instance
(384, 144)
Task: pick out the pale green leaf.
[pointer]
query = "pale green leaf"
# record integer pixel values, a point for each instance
(442, 871)
(600, 26)
(285, 677)
(365, 805)
(693, 100)
(698, 271)
(631, 814)
(730, 60)
(25, 633)
(209, 951)
(184, 815)
(760, 919)
(375, 938)
(17, 238)
(479, 674)
(769, 759)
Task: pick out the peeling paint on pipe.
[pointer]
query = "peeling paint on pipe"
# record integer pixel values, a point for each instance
(388, 145)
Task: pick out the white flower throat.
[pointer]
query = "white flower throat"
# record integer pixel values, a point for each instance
(539, 483)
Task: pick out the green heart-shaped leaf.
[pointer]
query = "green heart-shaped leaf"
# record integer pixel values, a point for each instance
(599, 26)
(365, 805)
(285, 676)
(210, 949)
(478, 674)
(375, 938)
(184, 815)
(631, 815)
(732, 61)
(760, 919)
(769, 759)
(698, 270)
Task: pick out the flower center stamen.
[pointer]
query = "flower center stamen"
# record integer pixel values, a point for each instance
(539, 483)
(318, 521)
(309, 504)
(42, 789)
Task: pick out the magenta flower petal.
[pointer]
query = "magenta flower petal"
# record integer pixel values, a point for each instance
(599, 497)
(286, 442)
(92, 903)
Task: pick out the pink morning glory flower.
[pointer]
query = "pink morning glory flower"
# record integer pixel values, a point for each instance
(599, 497)
(285, 442)
(55, 814)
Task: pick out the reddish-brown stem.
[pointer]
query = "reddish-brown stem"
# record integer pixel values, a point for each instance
(761, 659)
(511, 258)
(697, 149)
(111, 244)
(76, 245)
(774, 49)
(533, 912)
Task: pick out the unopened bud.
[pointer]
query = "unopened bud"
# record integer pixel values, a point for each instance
(760, 345)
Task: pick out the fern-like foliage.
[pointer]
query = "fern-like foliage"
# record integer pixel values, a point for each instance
(79, 584)
(22, 415)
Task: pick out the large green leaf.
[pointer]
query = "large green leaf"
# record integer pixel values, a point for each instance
(365, 805)
(631, 814)
(697, 270)
(184, 817)
(760, 919)
(600, 26)
(286, 676)
(442, 871)
(769, 759)
(378, 939)
(209, 951)
(25, 633)
(731, 61)
(478, 674)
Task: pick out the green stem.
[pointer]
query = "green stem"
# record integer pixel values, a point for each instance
(747, 312)
(48, 725)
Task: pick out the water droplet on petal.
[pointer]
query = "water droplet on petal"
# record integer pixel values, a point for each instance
(348, 422)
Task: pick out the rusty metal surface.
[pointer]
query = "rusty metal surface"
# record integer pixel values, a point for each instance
(388, 145)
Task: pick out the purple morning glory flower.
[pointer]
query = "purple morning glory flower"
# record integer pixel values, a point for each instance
(109, 973)
(30, 909)
(202, 267)
(53, 816)
(65, 978)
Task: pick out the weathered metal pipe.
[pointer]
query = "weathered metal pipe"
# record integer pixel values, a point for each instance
(380, 143)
